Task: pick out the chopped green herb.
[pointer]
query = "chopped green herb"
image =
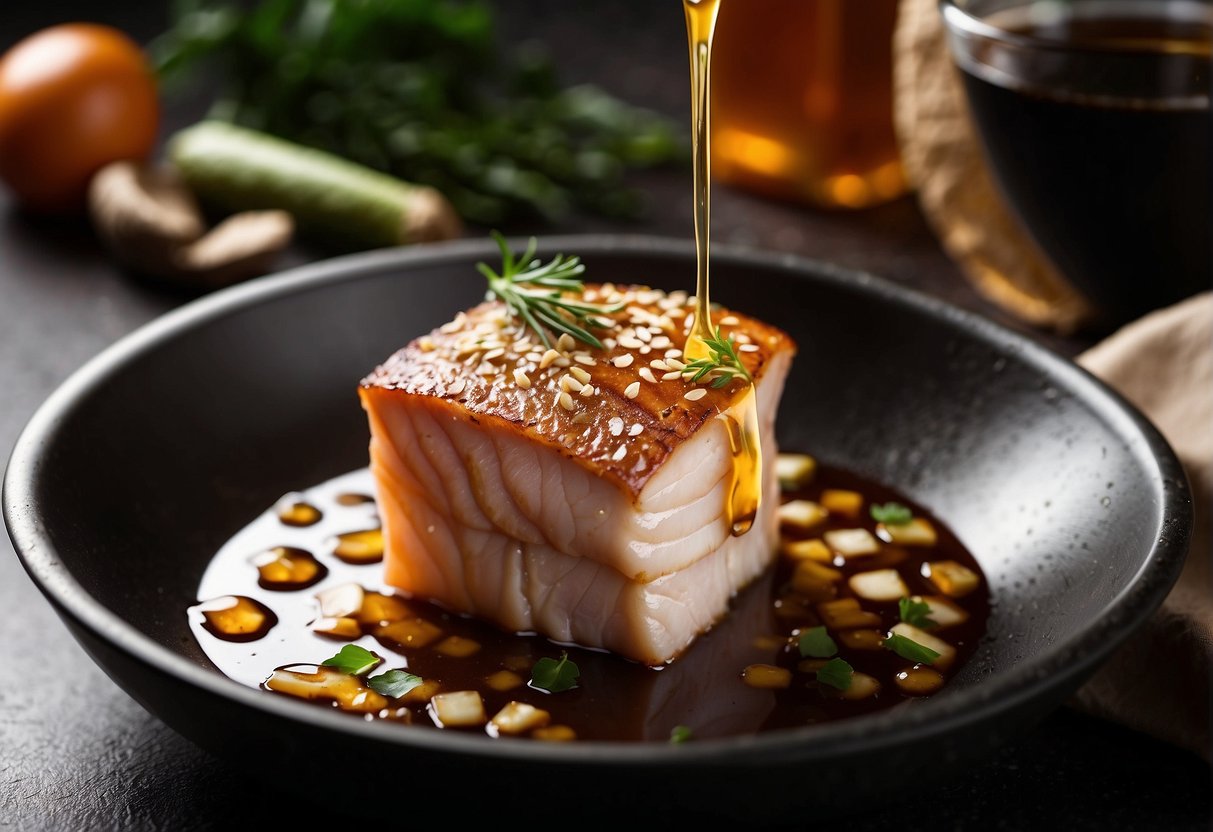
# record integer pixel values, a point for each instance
(911, 650)
(679, 734)
(915, 613)
(891, 514)
(720, 367)
(353, 660)
(836, 673)
(394, 683)
(555, 675)
(535, 293)
(816, 642)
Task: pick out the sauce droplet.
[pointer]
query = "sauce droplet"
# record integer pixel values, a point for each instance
(351, 498)
(297, 512)
(317, 682)
(236, 618)
(286, 568)
(360, 548)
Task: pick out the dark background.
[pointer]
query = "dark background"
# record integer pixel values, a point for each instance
(77, 753)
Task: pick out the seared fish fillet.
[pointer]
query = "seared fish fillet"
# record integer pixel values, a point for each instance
(573, 492)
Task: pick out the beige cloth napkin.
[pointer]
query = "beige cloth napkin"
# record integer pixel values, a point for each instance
(1163, 363)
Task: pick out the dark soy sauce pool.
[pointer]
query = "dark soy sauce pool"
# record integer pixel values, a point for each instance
(615, 699)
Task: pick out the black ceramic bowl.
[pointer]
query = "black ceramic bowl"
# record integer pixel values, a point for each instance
(144, 462)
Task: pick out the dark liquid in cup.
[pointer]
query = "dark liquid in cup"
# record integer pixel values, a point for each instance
(1115, 188)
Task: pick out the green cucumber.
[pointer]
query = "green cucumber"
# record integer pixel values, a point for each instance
(237, 169)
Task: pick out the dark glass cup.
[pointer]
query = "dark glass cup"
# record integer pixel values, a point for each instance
(1094, 117)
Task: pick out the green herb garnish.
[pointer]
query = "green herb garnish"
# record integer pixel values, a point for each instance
(721, 366)
(536, 293)
(911, 650)
(915, 613)
(555, 675)
(679, 734)
(353, 660)
(891, 514)
(816, 642)
(836, 673)
(394, 683)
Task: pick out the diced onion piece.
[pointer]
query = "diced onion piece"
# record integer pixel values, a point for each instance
(457, 647)
(919, 681)
(347, 691)
(503, 680)
(555, 733)
(944, 613)
(518, 718)
(951, 578)
(879, 585)
(947, 653)
(862, 686)
(844, 503)
(461, 709)
(861, 639)
(410, 633)
(804, 515)
(337, 627)
(766, 676)
(423, 693)
(794, 470)
(815, 581)
(846, 614)
(813, 549)
(852, 543)
(918, 532)
(340, 601)
(378, 608)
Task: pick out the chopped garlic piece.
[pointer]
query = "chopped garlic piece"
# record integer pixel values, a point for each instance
(518, 718)
(813, 549)
(802, 514)
(947, 653)
(952, 578)
(852, 543)
(766, 676)
(879, 585)
(461, 709)
(794, 470)
(844, 503)
(340, 601)
(918, 532)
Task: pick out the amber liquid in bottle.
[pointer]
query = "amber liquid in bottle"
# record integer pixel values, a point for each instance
(804, 103)
(745, 491)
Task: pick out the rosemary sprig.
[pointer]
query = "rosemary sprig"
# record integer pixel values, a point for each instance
(536, 293)
(721, 366)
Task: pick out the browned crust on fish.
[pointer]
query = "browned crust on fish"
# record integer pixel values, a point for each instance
(479, 383)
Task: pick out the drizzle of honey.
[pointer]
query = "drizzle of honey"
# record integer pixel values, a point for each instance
(745, 491)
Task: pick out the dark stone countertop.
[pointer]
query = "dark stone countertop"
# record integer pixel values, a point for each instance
(77, 753)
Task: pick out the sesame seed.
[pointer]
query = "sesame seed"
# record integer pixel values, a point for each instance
(636, 429)
(629, 342)
(582, 418)
(632, 390)
(620, 453)
(457, 387)
(427, 344)
(623, 360)
(494, 354)
(671, 375)
(645, 349)
(565, 401)
(658, 364)
(615, 426)
(748, 348)
(548, 357)
(674, 353)
(570, 384)
(644, 335)
(730, 320)
(661, 342)
(675, 364)
(647, 375)
(565, 342)
(588, 390)
(522, 379)
(695, 394)
(580, 374)
(561, 362)
(582, 358)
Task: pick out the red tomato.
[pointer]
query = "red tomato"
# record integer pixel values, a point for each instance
(73, 98)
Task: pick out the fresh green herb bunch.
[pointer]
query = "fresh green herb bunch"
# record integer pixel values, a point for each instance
(422, 89)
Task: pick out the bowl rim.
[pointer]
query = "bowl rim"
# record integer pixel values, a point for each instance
(1061, 666)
